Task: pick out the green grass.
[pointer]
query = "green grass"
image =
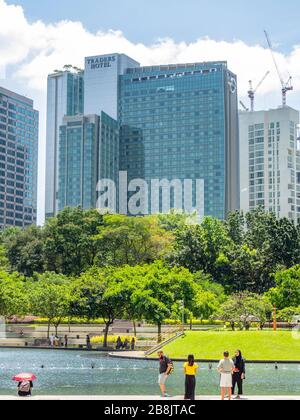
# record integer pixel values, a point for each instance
(255, 345)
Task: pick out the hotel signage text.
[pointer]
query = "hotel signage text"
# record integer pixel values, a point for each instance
(101, 62)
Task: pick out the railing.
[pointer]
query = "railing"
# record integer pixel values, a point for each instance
(166, 337)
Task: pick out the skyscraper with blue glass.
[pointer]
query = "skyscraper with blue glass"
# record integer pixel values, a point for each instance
(181, 122)
(65, 97)
(19, 131)
(171, 122)
(88, 151)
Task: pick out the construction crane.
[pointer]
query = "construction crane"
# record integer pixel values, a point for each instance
(252, 92)
(244, 106)
(286, 86)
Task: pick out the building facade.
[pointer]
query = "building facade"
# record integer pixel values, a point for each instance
(180, 122)
(270, 162)
(175, 123)
(65, 98)
(88, 151)
(19, 132)
(101, 77)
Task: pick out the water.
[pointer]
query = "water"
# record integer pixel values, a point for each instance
(71, 373)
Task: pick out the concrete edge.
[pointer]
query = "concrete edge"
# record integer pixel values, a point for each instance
(153, 359)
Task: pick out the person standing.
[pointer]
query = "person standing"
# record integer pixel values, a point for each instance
(119, 343)
(238, 373)
(88, 342)
(165, 368)
(226, 369)
(66, 341)
(52, 339)
(190, 371)
(133, 344)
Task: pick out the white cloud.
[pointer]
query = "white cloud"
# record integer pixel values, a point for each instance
(32, 50)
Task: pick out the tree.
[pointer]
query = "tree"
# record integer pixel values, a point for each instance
(50, 297)
(129, 281)
(132, 241)
(13, 296)
(24, 250)
(235, 226)
(69, 245)
(197, 247)
(243, 309)
(99, 297)
(289, 315)
(163, 292)
(287, 291)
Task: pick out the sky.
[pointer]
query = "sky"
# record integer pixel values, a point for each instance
(37, 37)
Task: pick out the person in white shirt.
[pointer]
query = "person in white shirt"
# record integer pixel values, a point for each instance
(226, 369)
(52, 338)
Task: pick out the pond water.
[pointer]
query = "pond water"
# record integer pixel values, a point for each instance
(71, 373)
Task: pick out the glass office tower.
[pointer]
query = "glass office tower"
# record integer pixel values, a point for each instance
(88, 151)
(65, 98)
(181, 122)
(19, 131)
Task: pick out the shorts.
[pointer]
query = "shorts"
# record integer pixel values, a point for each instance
(226, 380)
(162, 378)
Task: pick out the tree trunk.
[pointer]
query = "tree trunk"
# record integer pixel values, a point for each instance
(191, 323)
(48, 331)
(134, 328)
(159, 338)
(106, 331)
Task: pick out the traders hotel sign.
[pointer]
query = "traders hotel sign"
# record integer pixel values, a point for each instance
(101, 62)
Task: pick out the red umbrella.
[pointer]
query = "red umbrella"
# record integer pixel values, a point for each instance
(24, 377)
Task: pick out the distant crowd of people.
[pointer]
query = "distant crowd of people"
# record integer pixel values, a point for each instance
(126, 344)
(57, 342)
(232, 374)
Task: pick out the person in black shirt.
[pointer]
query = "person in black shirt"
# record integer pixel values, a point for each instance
(165, 367)
(239, 373)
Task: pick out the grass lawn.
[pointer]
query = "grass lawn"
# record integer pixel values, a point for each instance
(255, 345)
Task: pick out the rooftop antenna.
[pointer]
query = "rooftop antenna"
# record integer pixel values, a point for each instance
(286, 86)
(252, 92)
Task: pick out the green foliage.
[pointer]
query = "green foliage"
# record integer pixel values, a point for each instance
(287, 291)
(13, 296)
(245, 308)
(69, 246)
(24, 250)
(289, 315)
(50, 297)
(127, 240)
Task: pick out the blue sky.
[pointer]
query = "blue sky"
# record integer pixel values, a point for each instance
(145, 21)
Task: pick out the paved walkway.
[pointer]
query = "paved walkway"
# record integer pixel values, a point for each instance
(138, 398)
(128, 354)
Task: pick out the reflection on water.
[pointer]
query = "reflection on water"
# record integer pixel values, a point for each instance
(61, 372)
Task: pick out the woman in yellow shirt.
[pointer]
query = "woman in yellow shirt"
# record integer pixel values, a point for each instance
(190, 371)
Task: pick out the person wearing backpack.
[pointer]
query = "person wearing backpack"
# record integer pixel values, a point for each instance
(166, 367)
(190, 371)
(25, 388)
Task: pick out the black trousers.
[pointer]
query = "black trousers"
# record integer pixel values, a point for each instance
(190, 387)
(237, 381)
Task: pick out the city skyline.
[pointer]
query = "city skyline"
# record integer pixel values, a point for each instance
(46, 46)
